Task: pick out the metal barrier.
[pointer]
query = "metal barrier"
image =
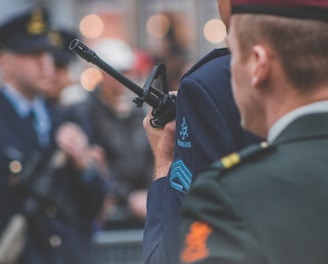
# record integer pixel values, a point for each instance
(118, 247)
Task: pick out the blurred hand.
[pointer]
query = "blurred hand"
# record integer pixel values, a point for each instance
(162, 143)
(137, 203)
(74, 142)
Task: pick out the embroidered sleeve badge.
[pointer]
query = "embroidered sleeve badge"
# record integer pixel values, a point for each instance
(195, 244)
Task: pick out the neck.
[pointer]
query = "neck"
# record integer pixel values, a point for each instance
(29, 94)
(292, 100)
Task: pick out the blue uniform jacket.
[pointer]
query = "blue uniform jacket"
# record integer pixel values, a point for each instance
(52, 238)
(207, 128)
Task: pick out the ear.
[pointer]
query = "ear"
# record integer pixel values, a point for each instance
(261, 65)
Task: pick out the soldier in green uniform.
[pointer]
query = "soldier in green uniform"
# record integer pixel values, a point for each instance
(269, 203)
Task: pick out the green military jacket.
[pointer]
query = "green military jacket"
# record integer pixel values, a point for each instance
(266, 204)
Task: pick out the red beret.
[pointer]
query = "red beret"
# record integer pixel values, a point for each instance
(303, 9)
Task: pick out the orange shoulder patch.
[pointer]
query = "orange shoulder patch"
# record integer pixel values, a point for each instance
(195, 243)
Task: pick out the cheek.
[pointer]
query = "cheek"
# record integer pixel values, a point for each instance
(241, 92)
(29, 69)
(235, 81)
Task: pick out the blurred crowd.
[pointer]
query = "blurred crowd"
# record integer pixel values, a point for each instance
(73, 161)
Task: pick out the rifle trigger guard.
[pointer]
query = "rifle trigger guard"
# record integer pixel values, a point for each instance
(154, 124)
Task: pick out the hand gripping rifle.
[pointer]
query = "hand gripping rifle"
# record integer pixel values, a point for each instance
(162, 102)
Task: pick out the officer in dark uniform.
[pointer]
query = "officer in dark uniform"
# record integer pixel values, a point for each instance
(61, 38)
(269, 202)
(59, 199)
(207, 128)
(64, 58)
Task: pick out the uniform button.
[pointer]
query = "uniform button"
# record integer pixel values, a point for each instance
(55, 241)
(51, 211)
(15, 166)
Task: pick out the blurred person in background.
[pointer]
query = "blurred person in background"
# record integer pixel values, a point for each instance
(207, 127)
(173, 48)
(114, 123)
(58, 198)
(65, 89)
(142, 66)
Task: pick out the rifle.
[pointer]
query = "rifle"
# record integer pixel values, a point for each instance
(162, 102)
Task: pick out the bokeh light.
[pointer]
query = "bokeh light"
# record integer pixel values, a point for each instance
(91, 26)
(90, 77)
(214, 31)
(158, 25)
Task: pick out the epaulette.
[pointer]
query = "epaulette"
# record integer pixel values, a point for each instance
(235, 158)
(216, 53)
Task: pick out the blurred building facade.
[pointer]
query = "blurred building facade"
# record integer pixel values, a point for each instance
(174, 32)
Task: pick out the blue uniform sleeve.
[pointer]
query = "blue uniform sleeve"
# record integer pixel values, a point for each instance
(154, 222)
(209, 133)
(207, 118)
(161, 228)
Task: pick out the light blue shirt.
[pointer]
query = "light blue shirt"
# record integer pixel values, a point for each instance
(283, 122)
(23, 108)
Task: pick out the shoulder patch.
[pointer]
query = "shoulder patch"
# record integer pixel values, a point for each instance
(235, 158)
(195, 245)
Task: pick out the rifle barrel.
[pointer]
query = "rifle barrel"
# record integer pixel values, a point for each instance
(89, 55)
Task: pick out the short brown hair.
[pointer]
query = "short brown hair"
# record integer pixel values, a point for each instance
(300, 45)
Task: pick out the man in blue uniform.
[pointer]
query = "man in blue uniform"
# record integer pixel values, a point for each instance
(207, 128)
(269, 203)
(58, 199)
